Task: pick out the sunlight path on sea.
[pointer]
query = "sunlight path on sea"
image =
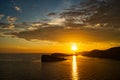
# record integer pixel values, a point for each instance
(74, 68)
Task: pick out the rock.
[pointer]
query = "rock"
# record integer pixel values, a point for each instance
(51, 58)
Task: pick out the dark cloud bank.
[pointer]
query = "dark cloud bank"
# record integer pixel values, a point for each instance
(104, 12)
(65, 35)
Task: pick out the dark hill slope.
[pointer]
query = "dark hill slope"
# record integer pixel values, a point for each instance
(112, 53)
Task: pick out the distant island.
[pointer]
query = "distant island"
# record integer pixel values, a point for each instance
(55, 57)
(112, 53)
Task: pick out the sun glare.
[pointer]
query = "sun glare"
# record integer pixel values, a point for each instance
(74, 47)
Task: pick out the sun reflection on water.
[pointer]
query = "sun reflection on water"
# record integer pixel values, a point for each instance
(74, 69)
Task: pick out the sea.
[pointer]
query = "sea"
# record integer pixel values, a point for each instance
(30, 67)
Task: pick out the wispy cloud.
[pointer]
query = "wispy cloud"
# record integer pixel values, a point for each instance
(17, 8)
(51, 14)
(11, 20)
(6, 35)
(1, 16)
(57, 21)
(4, 26)
(10, 26)
(32, 28)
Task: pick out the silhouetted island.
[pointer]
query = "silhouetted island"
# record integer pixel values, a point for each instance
(51, 58)
(60, 54)
(112, 53)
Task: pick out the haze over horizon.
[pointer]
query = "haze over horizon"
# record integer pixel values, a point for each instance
(37, 26)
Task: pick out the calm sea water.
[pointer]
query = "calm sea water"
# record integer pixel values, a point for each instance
(29, 67)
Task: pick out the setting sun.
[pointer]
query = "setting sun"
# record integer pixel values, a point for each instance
(74, 47)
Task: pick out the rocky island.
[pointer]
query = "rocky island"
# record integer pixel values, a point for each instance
(51, 58)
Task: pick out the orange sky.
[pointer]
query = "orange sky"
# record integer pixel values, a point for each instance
(54, 25)
(16, 45)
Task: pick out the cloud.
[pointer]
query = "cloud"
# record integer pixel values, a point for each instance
(11, 20)
(89, 21)
(1, 34)
(10, 26)
(6, 26)
(93, 12)
(57, 21)
(51, 14)
(60, 34)
(1, 16)
(32, 28)
(17, 8)
(6, 35)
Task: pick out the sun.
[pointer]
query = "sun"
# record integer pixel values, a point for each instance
(74, 47)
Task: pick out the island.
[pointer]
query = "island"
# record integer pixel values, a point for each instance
(52, 58)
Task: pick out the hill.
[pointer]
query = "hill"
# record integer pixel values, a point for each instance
(112, 53)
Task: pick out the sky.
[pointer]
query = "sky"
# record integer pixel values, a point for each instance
(48, 26)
